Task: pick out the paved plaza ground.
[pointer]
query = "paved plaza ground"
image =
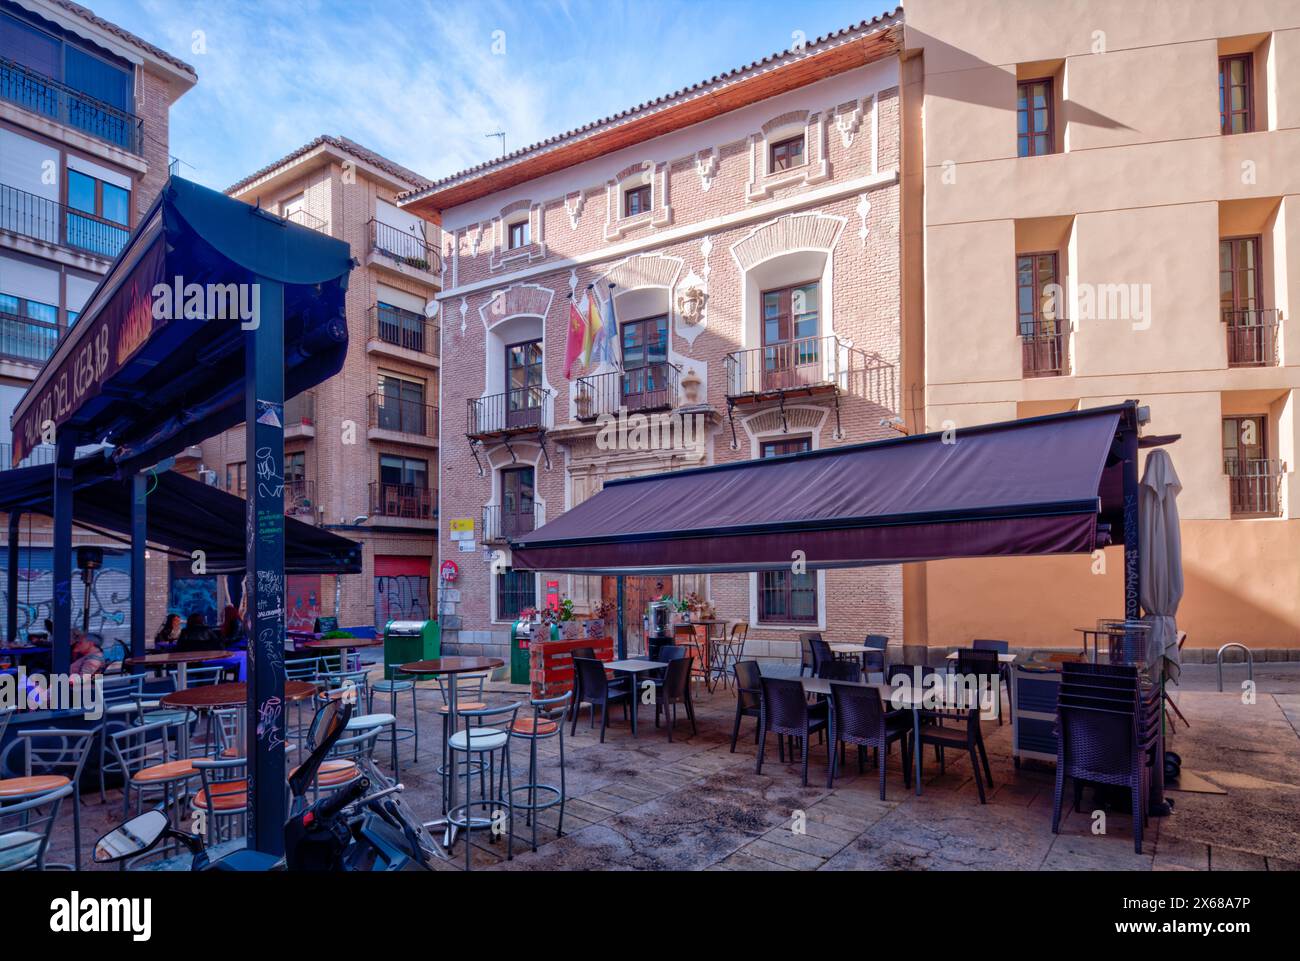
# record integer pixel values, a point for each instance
(646, 804)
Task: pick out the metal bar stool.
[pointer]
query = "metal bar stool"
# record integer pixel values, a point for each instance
(392, 687)
(469, 698)
(547, 722)
(58, 751)
(484, 741)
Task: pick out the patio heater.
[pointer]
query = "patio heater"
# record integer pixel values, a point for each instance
(89, 560)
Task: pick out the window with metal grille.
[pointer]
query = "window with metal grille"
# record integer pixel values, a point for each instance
(785, 597)
(516, 590)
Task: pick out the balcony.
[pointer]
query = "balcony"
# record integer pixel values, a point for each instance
(637, 390)
(41, 454)
(401, 332)
(1252, 337)
(499, 525)
(403, 501)
(66, 105)
(523, 410)
(1044, 348)
(300, 498)
(404, 421)
(1255, 487)
(54, 223)
(25, 340)
(310, 221)
(403, 252)
(300, 415)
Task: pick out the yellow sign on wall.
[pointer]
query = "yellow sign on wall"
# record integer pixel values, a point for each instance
(462, 528)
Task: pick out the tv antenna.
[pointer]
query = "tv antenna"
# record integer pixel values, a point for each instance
(501, 135)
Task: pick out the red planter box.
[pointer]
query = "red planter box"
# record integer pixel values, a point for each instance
(550, 663)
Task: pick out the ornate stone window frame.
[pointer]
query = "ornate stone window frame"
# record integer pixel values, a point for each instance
(816, 168)
(503, 255)
(660, 213)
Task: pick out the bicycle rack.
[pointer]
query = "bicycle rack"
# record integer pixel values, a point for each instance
(1250, 662)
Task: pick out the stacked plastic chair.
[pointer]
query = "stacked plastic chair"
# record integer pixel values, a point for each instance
(1108, 733)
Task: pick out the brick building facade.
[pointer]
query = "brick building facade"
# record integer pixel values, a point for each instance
(361, 449)
(771, 195)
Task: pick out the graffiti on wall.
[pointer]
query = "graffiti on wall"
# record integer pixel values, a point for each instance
(110, 594)
(402, 597)
(301, 601)
(188, 594)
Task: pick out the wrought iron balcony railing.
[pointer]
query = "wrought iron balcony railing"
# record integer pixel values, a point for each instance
(41, 454)
(71, 107)
(810, 365)
(1255, 486)
(639, 389)
(499, 524)
(1252, 336)
(55, 223)
(27, 340)
(300, 497)
(406, 501)
(516, 411)
(405, 247)
(1044, 348)
(403, 416)
(403, 328)
(310, 221)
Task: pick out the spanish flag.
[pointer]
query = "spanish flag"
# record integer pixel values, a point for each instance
(577, 335)
(595, 328)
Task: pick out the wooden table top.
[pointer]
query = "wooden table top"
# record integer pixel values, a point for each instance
(12, 787)
(339, 643)
(179, 657)
(452, 665)
(230, 695)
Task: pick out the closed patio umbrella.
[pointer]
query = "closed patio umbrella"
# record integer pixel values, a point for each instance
(1162, 560)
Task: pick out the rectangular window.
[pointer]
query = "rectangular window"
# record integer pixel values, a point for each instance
(1239, 275)
(792, 355)
(1035, 133)
(523, 362)
(1236, 94)
(517, 504)
(636, 201)
(516, 590)
(785, 154)
(403, 488)
(99, 214)
(519, 235)
(1254, 481)
(645, 364)
(401, 405)
(235, 477)
(1037, 292)
(295, 467)
(403, 471)
(29, 330)
(783, 596)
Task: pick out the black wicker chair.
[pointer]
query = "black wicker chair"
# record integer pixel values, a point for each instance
(588, 652)
(1101, 746)
(840, 671)
(785, 713)
(675, 689)
(749, 697)
(997, 647)
(806, 660)
(858, 717)
(874, 659)
(983, 665)
(966, 736)
(597, 689)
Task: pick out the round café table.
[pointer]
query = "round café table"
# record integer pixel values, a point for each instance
(453, 666)
(345, 644)
(231, 694)
(178, 658)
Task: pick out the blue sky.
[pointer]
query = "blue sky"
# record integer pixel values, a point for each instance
(424, 82)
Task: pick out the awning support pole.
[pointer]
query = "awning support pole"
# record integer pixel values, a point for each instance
(622, 637)
(264, 539)
(11, 579)
(65, 452)
(139, 583)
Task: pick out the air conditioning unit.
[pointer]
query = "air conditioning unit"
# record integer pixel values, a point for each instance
(208, 477)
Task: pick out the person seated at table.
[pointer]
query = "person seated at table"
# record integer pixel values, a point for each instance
(87, 657)
(232, 635)
(169, 632)
(197, 636)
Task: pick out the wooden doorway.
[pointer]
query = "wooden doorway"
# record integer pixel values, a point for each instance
(637, 593)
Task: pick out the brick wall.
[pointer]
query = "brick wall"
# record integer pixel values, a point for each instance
(838, 219)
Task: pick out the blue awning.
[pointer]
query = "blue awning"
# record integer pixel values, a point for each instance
(148, 370)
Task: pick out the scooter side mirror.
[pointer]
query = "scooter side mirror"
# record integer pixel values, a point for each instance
(131, 838)
(326, 727)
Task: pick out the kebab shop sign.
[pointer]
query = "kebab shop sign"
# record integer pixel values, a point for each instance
(105, 345)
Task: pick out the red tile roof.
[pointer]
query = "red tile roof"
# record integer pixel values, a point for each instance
(347, 146)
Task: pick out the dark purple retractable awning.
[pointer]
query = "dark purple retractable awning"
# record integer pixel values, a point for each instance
(1043, 485)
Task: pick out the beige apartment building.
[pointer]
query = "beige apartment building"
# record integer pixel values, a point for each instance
(361, 449)
(748, 231)
(83, 152)
(1105, 201)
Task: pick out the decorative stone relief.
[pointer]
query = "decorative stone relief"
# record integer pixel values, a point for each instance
(809, 230)
(517, 300)
(848, 120)
(863, 209)
(706, 165)
(464, 309)
(573, 205)
(573, 282)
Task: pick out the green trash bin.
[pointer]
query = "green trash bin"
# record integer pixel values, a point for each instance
(406, 641)
(519, 654)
